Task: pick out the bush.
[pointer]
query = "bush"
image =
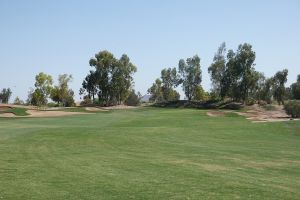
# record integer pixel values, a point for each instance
(52, 104)
(250, 102)
(86, 101)
(133, 99)
(292, 108)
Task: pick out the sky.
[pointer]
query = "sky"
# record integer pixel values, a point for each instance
(58, 37)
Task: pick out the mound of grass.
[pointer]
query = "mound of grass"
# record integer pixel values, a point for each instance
(16, 111)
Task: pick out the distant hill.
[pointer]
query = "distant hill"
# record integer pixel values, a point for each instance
(145, 98)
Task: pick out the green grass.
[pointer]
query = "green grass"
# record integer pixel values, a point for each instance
(149, 153)
(16, 111)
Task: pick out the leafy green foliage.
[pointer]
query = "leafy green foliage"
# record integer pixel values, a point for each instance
(280, 79)
(112, 79)
(292, 108)
(5, 95)
(295, 89)
(133, 99)
(43, 86)
(61, 93)
(190, 75)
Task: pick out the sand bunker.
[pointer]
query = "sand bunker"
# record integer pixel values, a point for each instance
(7, 115)
(257, 114)
(37, 113)
(215, 113)
(95, 109)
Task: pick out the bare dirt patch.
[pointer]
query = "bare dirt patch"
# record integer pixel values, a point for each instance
(215, 114)
(256, 113)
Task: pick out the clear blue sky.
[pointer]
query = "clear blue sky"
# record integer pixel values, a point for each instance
(58, 37)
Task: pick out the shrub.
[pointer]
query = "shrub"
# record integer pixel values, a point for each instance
(133, 99)
(250, 102)
(292, 108)
(262, 103)
(86, 101)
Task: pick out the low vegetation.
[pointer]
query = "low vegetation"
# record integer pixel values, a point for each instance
(292, 108)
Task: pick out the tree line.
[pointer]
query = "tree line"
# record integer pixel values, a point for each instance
(233, 76)
(110, 82)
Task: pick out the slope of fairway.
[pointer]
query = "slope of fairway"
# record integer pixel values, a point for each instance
(149, 154)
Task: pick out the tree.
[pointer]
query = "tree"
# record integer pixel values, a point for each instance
(217, 69)
(200, 94)
(190, 75)
(170, 80)
(245, 58)
(280, 79)
(295, 89)
(61, 93)
(18, 101)
(122, 79)
(156, 91)
(112, 79)
(5, 95)
(236, 73)
(133, 99)
(43, 86)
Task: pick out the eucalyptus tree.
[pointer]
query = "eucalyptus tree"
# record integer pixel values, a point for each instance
(295, 89)
(111, 80)
(280, 78)
(43, 86)
(5, 95)
(170, 80)
(190, 75)
(217, 69)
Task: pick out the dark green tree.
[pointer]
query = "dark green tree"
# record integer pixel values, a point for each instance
(217, 69)
(5, 95)
(280, 78)
(295, 89)
(190, 75)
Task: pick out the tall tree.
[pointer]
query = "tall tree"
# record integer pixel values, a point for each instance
(112, 79)
(245, 58)
(61, 93)
(190, 74)
(280, 79)
(295, 89)
(5, 95)
(170, 80)
(156, 91)
(217, 69)
(122, 79)
(43, 86)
